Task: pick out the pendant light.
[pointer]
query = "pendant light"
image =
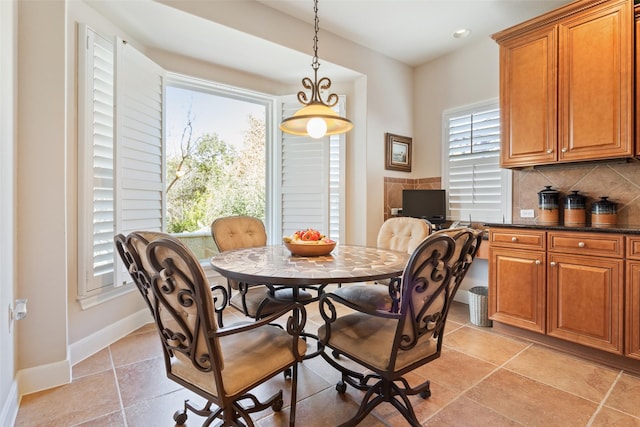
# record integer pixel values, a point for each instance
(316, 119)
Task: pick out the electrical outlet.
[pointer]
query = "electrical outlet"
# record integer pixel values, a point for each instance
(526, 213)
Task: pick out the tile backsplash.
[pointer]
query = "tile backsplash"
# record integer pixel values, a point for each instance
(618, 180)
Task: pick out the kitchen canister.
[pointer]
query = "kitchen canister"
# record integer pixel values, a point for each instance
(604, 213)
(548, 200)
(575, 212)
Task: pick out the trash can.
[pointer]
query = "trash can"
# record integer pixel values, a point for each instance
(479, 306)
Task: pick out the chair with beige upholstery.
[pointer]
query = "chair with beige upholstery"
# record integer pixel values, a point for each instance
(391, 344)
(238, 232)
(223, 365)
(133, 246)
(401, 234)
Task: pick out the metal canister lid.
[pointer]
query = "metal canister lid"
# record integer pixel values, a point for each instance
(548, 198)
(575, 201)
(604, 206)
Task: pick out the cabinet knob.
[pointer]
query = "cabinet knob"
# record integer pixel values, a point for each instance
(514, 239)
(564, 149)
(581, 245)
(549, 151)
(538, 262)
(552, 264)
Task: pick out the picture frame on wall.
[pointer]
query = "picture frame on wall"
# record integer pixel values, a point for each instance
(397, 152)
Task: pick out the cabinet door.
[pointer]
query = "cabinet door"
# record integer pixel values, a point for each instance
(528, 99)
(637, 76)
(517, 288)
(585, 300)
(632, 346)
(595, 84)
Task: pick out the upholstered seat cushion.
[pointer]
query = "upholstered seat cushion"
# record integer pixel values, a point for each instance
(371, 338)
(370, 296)
(244, 366)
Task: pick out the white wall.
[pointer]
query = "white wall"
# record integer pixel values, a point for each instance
(8, 99)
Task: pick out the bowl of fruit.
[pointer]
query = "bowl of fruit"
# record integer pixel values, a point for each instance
(309, 242)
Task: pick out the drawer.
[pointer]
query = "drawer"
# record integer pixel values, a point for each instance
(516, 238)
(607, 245)
(633, 247)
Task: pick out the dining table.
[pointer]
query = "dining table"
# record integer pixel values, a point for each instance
(275, 266)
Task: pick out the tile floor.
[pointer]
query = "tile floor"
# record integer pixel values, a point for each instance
(482, 378)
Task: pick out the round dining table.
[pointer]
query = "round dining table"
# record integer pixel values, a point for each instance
(275, 265)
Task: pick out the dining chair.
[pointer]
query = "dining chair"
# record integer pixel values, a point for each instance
(222, 365)
(401, 234)
(130, 249)
(238, 232)
(391, 344)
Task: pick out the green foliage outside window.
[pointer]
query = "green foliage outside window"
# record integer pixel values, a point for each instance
(210, 178)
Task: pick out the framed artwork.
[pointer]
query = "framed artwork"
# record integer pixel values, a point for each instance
(397, 152)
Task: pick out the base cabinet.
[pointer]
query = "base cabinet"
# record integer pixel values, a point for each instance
(517, 288)
(567, 285)
(632, 299)
(585, 301)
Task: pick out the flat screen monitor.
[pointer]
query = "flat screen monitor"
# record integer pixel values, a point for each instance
(426, 204)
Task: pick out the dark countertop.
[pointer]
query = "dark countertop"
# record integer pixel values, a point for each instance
(619, 229)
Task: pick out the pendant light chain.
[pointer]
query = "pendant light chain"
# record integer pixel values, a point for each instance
(315, 64)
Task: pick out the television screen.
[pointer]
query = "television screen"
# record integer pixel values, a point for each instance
(426, 204)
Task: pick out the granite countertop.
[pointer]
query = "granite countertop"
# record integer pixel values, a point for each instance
(618, 229)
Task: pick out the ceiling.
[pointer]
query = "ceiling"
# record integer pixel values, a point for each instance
(411, 31)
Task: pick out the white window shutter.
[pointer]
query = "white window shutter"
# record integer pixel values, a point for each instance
(477, 187)
(96, 161)
(312, 186)
(139, 151)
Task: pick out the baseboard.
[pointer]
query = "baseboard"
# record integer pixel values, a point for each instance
(55, 374)
(90, 345)
(43, 377)
(9, 411)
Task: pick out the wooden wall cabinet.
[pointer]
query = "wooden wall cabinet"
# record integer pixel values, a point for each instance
(566, 85)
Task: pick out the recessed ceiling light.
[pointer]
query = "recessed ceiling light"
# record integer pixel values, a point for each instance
(462, 33)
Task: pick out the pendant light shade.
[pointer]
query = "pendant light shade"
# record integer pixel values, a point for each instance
(316, 119)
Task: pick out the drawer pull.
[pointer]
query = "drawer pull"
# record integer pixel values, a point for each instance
(538, 262)
(564, 149)
(581, 245)
(514, 239)
(549, 151)
(552, 263)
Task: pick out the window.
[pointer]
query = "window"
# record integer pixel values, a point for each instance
(122, 162)
(478, 189)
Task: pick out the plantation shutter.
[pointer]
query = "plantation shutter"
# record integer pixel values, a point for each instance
(477, 188)
(96, 166)
(140, 157)
(312, 185)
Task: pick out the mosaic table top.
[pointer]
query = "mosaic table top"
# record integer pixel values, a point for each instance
(275, 265)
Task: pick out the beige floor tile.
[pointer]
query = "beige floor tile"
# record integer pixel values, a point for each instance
(158, 411)
(625, 395)
(466, 412)
(84, 399)
(608, 417)
(455, 370)
(99, 362)
(530, 402)
(483, 345)
(143, 381)
(136, 347)
(565, 372)
(458, 313)
(114, 419)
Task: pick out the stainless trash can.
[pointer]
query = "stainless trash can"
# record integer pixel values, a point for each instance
(479, 306)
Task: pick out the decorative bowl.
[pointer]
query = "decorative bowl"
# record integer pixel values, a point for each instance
(310, 249)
